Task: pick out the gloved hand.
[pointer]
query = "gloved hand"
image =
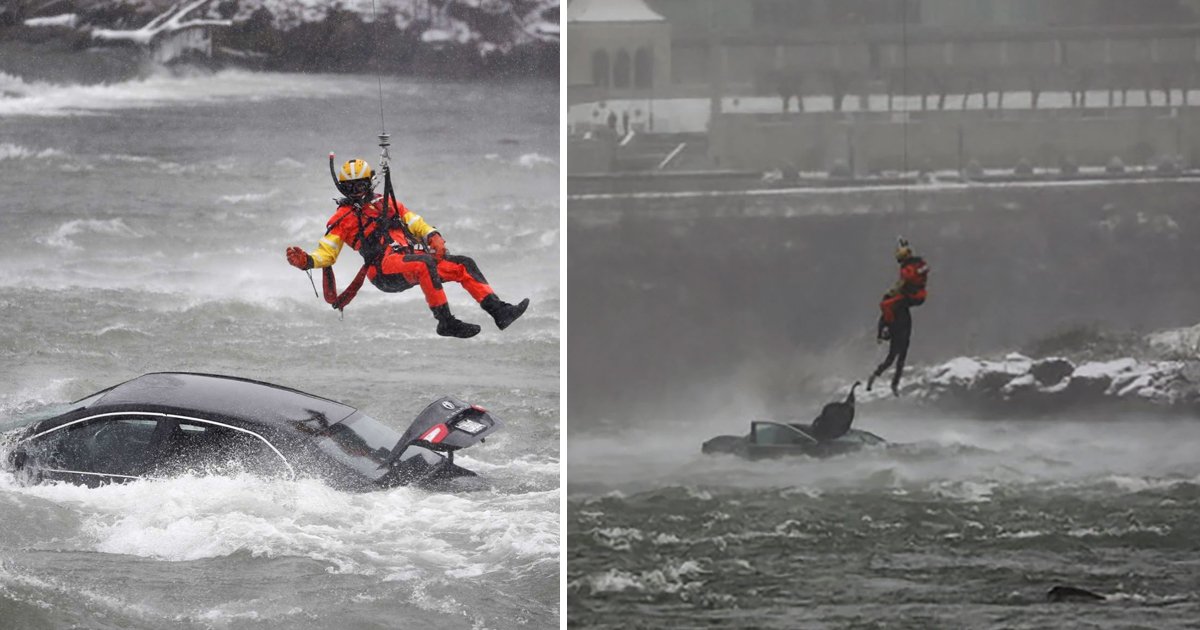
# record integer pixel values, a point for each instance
(299, 258)
(437, 245)
(885, 334)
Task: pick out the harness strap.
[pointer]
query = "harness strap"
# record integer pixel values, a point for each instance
(329, 282)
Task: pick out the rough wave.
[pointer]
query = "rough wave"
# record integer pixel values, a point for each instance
(37, 98)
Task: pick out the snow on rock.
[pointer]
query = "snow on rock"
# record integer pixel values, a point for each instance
(1053, 383)
(453, 32)
(288, 14)
(1180, 342)
(174, 19)
(957, 372)
(68, 20)
(1104, 369)
(969, 373)
(528, 18)
(496, 30)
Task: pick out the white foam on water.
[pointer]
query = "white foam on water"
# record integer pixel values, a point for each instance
(36, 98)
(63, 235)
(29, 394)
(672, 577)
(9, 151)
(248, 198)
(377, 533)
(532, 160)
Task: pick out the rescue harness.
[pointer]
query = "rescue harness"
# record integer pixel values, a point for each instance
(374, 237)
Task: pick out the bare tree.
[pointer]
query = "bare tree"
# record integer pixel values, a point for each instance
(173, 19)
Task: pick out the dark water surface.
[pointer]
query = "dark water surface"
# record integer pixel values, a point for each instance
(966, 524)
(718, 311)
(146, 224)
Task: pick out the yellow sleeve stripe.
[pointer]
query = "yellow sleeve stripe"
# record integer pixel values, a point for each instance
(417, 225)
(327, 251)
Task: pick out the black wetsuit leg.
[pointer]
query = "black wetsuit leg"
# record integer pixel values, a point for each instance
(901, 332)
(901, 335)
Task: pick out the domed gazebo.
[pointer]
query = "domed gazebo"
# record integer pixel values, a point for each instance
(621, 48)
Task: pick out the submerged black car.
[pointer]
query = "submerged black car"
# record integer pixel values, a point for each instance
(164, 424)
(778, 439)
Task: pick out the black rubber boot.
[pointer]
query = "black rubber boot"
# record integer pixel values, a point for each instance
(896, 387)
(451, 326)
(503, 312)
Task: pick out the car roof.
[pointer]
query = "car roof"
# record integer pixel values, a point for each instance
(227, 396)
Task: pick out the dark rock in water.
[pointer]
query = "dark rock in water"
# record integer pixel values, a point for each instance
(1051, 371)
(1072, 594)
(509, 141)
(992, 383)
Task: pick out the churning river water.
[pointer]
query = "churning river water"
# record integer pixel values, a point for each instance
(963, 524)
(738, 308)
(145, 224)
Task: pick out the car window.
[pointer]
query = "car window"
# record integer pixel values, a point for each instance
(118, 446)
(362, 443)
(201, 448)
(777, 435)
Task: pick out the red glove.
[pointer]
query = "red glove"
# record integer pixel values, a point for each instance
(437, 245)
(299, 258)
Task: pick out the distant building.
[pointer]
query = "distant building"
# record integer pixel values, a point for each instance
(762, 43)
(691, 18)
(617, 48)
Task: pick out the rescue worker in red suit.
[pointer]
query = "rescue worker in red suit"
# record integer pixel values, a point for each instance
(393, 264)
(895, 320)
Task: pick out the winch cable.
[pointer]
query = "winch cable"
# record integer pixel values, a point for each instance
(339, 302)
(904, 91)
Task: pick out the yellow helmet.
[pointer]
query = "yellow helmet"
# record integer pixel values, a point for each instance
(903, 250)
(356, 180)
(355, 169)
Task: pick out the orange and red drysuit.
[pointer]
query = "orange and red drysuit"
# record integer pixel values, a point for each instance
(895, 320)
(390, 261)
(908, 291)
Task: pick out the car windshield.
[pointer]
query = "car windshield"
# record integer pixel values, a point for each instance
(49, 411)
(779, 435)
(361, 442)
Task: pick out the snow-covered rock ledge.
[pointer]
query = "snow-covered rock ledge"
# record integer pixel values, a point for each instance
(463, 38)
(1166, 376)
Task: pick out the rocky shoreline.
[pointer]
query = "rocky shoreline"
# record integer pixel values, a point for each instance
(1162, 375)
(452, 39)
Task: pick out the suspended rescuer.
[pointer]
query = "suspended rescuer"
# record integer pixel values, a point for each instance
(895, 319)
(400, 250)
